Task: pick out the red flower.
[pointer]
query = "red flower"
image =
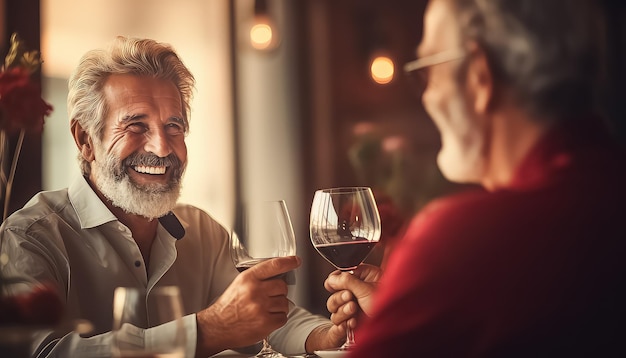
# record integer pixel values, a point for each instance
(40, 306)
(391, 218)
(20, 101)
(12, 78)
(393, 222)
(21, 109)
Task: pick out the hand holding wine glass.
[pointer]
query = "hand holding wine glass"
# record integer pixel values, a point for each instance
(262, 231)
(361, 285)
(344, 227)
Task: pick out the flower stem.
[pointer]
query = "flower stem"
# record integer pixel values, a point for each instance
(16, 156)
(3, 144)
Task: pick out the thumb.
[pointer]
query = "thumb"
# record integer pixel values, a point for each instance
(347, 281)
(274, 267)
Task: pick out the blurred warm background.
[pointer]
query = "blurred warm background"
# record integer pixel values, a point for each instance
(273, 117)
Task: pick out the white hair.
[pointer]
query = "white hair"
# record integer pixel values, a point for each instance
(549, 52)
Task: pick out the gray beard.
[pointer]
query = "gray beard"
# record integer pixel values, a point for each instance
(149, 201)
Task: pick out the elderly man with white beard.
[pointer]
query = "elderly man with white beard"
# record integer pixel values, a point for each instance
(534, 265)
(119, 224)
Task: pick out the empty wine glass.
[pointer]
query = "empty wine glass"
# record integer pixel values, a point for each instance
(344, 227)
(133, 307)
(262, 231)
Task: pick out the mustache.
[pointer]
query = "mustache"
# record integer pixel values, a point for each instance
(152, 160)
(171, 162)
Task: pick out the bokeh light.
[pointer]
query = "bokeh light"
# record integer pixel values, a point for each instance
(382, 69)
(261, 36)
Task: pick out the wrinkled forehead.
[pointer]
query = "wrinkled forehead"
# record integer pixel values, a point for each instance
(441, 28)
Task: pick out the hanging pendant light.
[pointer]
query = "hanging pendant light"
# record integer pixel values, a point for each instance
(263, 30)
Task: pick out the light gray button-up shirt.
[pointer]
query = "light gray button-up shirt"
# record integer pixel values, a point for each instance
(70, 238)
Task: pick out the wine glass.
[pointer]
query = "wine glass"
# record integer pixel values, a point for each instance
(344, 227)
(262, 231)
(133, 306)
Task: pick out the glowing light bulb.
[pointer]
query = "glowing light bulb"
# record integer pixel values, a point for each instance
(382, 70)
(261, 36)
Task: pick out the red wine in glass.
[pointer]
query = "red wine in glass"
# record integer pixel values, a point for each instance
(346, 255)
(242, 266)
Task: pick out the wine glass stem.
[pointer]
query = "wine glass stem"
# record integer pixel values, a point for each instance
(349, 339)
(267, 350)
(349, 331)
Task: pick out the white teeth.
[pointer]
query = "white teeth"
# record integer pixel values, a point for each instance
(149, 170)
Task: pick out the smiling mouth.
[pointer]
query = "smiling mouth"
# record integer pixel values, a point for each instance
(144, 169)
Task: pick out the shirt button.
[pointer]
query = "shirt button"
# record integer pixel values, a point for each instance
(137, 263)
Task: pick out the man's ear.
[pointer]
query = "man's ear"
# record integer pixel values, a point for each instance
(83, 141)
(480, 80)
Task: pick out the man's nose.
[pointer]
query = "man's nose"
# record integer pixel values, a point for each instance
(158, 144)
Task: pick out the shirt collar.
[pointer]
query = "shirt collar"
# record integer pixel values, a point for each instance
(92, 212)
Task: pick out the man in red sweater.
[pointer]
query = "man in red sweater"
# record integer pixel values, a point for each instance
(534, 265)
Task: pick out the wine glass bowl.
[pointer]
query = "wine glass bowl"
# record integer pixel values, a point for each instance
(262, 231)
(134, 306)
(344, 227)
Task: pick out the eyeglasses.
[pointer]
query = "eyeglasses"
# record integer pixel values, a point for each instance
(416, 70)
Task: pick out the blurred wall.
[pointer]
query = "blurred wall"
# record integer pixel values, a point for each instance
(269, 120)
